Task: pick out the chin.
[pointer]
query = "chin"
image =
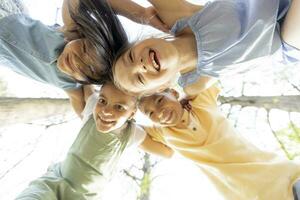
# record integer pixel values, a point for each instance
(103, 129)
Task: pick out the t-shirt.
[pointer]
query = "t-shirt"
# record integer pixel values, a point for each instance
(90, 163)
(233, 36)
(237, 168)
(31, 49)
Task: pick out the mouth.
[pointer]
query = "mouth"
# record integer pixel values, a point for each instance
(167, 117)
(106, 122)
(154, 60)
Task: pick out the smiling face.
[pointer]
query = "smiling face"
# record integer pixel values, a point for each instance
(113, 108)
(147, 66)
(78, 60)
(162, 108)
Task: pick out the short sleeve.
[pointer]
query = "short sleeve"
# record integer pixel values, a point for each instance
(89, 107)
(207, 97)
(138, 137)
(232, 37)
(155, 133)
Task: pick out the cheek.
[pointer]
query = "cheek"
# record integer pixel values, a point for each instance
(122, 116)
(97, 110)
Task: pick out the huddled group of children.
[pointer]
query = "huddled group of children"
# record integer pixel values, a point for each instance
(221, 38)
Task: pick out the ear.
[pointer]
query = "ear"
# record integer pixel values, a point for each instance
(174, 93)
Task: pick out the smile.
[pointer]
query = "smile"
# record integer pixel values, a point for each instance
(167, 117)
(106, 121)
(154, 60)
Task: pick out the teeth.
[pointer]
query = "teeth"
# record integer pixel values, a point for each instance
(106, 121)
(153, 61)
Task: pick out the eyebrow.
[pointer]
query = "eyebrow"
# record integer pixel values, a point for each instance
(101, 95)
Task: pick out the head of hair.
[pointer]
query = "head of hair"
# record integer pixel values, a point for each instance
(99, 24)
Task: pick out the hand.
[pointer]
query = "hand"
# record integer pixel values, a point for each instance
(150, 17)
(185, 103)
(69, 35)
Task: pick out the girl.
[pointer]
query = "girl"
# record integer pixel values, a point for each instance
(222, 37)
(62, 60)
(92, 159)
(237, 168)
(40, 52)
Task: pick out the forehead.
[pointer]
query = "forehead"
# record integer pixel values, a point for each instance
(91, 52)
(148, 101)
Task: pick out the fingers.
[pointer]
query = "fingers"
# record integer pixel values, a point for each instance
(151, 18)
(157, 23)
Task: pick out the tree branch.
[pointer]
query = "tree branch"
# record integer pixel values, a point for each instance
(286, 103)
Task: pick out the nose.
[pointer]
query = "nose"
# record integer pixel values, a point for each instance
(139, 66)
(160, 114)
(106, 111)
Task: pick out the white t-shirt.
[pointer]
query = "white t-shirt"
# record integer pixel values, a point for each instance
(138, 135)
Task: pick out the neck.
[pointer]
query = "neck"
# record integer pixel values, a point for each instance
(187, 49)
(184, 121)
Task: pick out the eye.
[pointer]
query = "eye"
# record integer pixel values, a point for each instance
(130, 56)
(102, 101)
(159, 100)
(144, 67)
(140, 79)
(83, 47)
(120, 107)
(92, 69)
(150, 114)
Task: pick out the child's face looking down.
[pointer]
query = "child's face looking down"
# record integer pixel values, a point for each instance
(78, 60)
(162, 108)
(148, 65)
(113, 108)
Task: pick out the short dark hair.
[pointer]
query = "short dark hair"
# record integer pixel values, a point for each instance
(99, 24)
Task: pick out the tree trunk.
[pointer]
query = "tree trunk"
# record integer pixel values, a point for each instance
(25, 110)
(286, 103)
(145, 184)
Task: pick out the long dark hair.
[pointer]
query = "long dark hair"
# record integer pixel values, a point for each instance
(99, 24)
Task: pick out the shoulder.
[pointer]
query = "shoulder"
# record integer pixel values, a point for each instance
(137, 135)
(32, 37)
(156, 133)
(207, 97)
(89, 106)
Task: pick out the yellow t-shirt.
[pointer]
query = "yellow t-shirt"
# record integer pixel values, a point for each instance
(238, 169)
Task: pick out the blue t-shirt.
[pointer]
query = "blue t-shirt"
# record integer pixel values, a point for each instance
(31, 48)
(229, 33)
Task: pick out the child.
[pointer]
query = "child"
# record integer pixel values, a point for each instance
(92, 159)
(39, 52)
(223, 37)
(238, 169)
(42, 53)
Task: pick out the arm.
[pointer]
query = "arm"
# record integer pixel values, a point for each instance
(171, 11)
(78, 98)
(156, 148)
(137, 13)
(202, 83)
(88, 90)
(69, 27)
(290, 30)
(132, 10)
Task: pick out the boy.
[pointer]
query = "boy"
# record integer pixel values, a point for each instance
(92, 159)
(238, 169)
